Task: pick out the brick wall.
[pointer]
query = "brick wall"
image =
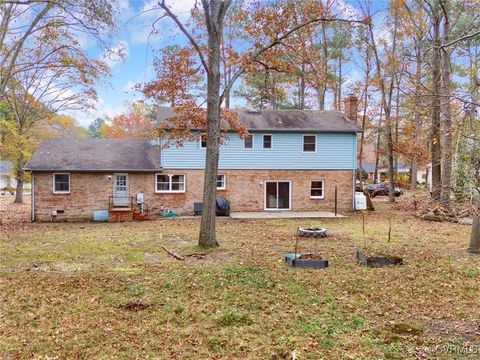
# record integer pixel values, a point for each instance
(244, 189)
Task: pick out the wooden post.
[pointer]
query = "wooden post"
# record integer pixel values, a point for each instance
(335, 201)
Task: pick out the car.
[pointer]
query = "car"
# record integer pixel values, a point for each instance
(381, 189)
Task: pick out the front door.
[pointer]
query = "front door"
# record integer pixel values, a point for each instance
(277, 195)
(120, 190)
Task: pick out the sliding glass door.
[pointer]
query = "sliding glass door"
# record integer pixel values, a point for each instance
(277, 195)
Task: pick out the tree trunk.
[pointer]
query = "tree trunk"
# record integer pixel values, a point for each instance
(474, 247)
(436, 152)
(416, 115)
(447, 114)
(20, 175)
(214, 18)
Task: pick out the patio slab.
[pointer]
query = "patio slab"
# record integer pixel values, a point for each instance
(284, 215)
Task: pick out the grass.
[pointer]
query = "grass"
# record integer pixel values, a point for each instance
(64, 287)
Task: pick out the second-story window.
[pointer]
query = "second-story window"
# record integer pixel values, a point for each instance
(267, 141)
(203, 141)
(309, 143)
(248, 142)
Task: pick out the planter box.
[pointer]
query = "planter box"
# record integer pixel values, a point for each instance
(304, 263)
(377, 261)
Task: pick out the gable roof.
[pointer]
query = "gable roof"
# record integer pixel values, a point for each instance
(95, 155)
(285, 120)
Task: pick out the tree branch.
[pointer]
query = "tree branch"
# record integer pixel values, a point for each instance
(182, 28)
(275, 42)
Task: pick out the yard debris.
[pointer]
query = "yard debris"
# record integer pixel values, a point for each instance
(174, 254)
(196, 255)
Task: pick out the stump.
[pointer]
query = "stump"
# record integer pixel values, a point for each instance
(474, 247)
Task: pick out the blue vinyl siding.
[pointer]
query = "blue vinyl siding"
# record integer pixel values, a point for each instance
(336, 151)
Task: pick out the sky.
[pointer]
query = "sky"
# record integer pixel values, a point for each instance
(134, 36)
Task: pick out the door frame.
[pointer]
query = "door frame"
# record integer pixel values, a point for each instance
(265, 195)
(127, 203)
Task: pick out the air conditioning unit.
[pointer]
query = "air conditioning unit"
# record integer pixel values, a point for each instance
(197, 208)
(140, 198)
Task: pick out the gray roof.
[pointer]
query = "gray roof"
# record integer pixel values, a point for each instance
(285, 120)
(95, 155)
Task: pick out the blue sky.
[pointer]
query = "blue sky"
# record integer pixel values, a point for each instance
(134, 36)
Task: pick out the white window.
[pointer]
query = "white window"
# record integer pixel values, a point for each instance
(61, 183)
(267, 141)
(170, 183)
(248, 142)
(203, 141)
(317, 189)
(309, 143)
(221, 182)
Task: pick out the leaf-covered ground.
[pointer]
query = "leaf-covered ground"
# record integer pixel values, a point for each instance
(103, 291)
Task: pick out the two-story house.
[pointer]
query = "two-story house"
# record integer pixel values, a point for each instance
(292, 161)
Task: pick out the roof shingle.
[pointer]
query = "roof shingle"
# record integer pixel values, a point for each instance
(95, 155)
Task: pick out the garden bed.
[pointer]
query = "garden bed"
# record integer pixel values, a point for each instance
(378, 260)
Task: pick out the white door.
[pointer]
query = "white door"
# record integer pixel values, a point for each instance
(120, 190)
(277, 195)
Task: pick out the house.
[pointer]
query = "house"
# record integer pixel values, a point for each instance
(293, 160)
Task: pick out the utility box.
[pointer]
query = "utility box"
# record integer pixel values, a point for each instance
(197, 208)
(140, 198)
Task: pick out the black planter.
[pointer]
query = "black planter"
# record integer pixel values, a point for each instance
(377, 261)
(294, 261)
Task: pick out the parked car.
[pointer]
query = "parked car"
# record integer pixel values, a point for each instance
(381, 189)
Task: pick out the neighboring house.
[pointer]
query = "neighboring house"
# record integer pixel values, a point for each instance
(7, 180)
(293, 160)
(403, 172)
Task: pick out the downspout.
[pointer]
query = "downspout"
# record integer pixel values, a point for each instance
(33, 196)
(354, 171)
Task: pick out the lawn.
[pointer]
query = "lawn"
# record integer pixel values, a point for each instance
(103, 291)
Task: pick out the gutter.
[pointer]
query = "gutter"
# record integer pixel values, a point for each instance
(95, 170)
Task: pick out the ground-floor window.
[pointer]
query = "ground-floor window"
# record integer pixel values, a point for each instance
(170, 183)
(61, 183)
(317, 189)
(221, 182)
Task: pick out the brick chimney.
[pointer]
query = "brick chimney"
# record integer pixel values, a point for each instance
(351, 107)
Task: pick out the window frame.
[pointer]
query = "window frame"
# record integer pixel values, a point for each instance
(69, 183)
(263, 142)
(323, 189)
(200, 140)
(303, 144)
(253, 143)
(170, 191)
(224, 187)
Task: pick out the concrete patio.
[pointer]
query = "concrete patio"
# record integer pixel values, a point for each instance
(284, 215)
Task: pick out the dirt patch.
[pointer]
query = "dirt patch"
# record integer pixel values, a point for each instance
(468, 330)
(136, 305)
(310, 256)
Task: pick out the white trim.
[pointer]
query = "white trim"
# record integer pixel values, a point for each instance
(263, 142)
(224, 182)
(253, 143)
(303, 144)
(170, 184)
(53, 184)
(265, 195)
(323, 190)
(200, 141)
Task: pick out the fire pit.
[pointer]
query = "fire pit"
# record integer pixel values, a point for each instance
(312, 232)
